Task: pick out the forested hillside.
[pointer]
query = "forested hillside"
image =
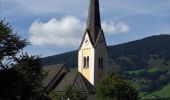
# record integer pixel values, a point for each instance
(142, 53)
(70, 58)
(128, 56)
(146, 62)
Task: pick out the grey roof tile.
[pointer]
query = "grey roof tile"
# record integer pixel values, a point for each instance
(52, 70)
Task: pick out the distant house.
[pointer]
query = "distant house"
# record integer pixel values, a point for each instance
(92, 59)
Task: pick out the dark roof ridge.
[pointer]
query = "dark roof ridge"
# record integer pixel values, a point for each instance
(53, 79)
(54, 64)
(86, 82)
(93, 22)
(86, 31)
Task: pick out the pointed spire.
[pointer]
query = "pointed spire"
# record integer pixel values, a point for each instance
(93, 22)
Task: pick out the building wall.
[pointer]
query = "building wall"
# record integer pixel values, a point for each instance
(86, 71)
(93, 73)
(101, 73)
(101, 51)
(86, 50)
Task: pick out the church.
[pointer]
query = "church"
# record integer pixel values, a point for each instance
(92, 59)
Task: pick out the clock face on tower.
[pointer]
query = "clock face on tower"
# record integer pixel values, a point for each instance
(86, 41)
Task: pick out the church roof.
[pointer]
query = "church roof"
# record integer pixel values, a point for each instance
(66, 81)
(89, 86)
(59, 78)
(93, 22)
(75, 79)
(53, 72)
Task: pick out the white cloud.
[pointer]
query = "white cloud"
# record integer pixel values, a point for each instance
(111, 28)
(64, 33)
(67, 32)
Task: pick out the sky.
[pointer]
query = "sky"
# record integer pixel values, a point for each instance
(57, 26)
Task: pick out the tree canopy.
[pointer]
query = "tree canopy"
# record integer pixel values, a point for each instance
(21, 75)
(70, 93)
(114, 88)
(10, 45)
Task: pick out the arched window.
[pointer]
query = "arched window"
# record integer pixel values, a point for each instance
(87, 61)
(84, 62)
(100, 62)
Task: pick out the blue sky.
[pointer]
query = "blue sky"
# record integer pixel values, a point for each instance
(57, 26)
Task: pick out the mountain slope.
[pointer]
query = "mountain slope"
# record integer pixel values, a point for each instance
(70, 58)
(141, 53)
(132, 55)
(145, 62)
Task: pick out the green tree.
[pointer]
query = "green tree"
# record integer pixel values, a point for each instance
(20, 76)
(10, 45)
(114, 88)
(30, 76)
(73, 93)
(70, 93)
(23, 81)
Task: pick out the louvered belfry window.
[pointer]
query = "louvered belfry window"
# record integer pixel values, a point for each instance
(87, 61)
(100, 62)
(84, 62)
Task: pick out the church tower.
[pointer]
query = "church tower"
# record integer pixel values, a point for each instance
(92, 54)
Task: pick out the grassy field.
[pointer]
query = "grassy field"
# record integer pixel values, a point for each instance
(135, 71)
(150, 70)
(162, 93)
